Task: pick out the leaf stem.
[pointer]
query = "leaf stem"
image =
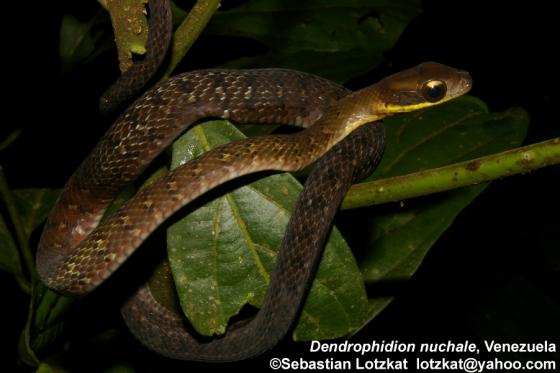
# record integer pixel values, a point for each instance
(186, 34)
(511, 162)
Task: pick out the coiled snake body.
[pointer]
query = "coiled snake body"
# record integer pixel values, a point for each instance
(76, 253)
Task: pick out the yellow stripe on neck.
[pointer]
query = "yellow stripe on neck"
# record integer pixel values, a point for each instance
(395, 109)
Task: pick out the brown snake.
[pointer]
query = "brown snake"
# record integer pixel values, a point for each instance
(76, 253)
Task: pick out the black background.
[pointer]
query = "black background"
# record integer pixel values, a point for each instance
(493, 274)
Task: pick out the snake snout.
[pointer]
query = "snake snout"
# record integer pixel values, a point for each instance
(465, 81)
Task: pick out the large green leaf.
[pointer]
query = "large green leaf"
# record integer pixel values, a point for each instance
(401, 236)
(222, 253)
(334, 39)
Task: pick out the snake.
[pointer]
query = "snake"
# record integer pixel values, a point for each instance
(162, 329)
(78, 250)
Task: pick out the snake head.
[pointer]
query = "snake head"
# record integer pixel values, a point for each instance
(425, 85)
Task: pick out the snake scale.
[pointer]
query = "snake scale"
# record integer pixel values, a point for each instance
(77, 253)
(164, 331)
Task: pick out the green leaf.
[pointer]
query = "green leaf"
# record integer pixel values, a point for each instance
(337, 40)
(28, 208)
(33, 206)
(76, 42)
(400, 239)
(400, 236)
(222, 254)
(46, 320)
(50, 308)
(459, 130)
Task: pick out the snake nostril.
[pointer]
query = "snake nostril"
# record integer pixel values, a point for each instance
(466, 81)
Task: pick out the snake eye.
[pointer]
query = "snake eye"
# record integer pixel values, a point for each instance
(433, 90)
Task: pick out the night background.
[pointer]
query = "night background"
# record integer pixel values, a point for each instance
(492, 275)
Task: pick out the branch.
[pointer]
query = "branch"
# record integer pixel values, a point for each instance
(511, 162)
(189, 30)
(130, 26)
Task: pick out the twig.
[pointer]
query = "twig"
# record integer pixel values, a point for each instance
(189, 30)
(511, 162)
(130, 26)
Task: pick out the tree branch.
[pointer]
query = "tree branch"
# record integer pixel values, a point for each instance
(186, 34)
(511, 162)
(130, 26)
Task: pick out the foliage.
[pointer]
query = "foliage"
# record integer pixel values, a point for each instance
(244, 227)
